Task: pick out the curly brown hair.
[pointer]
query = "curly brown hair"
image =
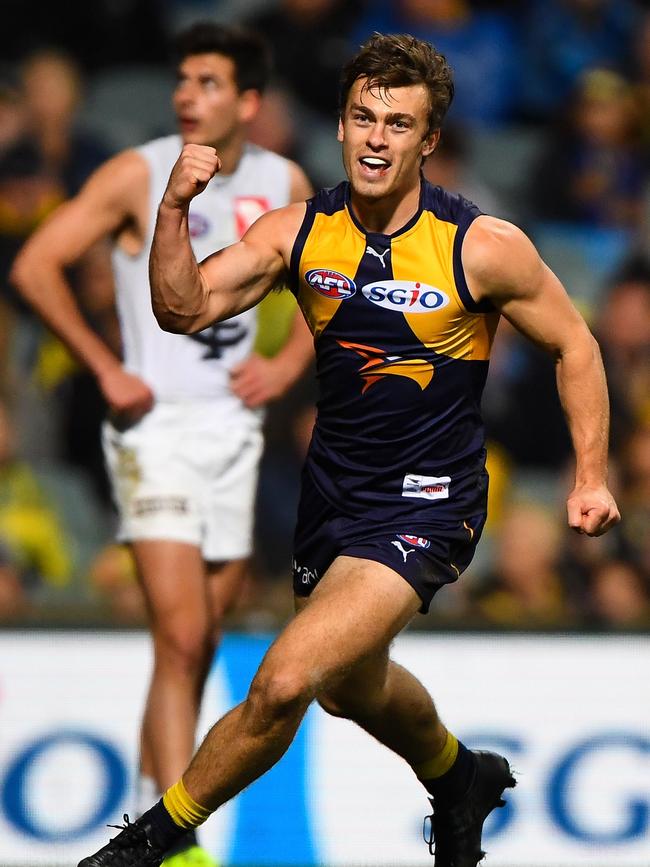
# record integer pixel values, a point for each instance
(400, 60)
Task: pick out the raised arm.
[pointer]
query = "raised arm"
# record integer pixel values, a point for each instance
(187, 297)
(107, 202)
(502, 265)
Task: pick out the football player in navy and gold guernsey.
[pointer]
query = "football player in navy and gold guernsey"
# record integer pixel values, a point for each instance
(402, 285)
(396, 468)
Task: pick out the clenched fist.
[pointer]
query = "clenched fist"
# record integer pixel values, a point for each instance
(592, 510)
(192, 172)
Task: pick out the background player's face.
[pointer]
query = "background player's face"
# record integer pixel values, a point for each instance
(384, 136)
(210, 108)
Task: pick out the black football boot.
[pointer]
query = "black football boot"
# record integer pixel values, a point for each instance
(455, 830)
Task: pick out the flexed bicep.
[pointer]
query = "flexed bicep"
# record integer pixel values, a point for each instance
(502, 265)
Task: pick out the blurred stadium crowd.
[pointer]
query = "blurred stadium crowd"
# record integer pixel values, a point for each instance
(550, 128)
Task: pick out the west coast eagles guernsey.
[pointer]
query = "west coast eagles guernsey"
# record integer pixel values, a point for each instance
(402, 355)
(181, 367)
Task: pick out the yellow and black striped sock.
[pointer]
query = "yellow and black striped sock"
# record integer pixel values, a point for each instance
(447, 775)
(183, 809)
(440, 763)
(175, 814)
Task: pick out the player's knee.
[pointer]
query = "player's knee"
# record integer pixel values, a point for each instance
(184, 647)
(279, 692)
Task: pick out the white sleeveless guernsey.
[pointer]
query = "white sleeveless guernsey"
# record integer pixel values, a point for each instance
(181, 367)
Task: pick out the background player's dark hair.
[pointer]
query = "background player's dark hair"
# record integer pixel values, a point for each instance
(399, 60)
(248, 51)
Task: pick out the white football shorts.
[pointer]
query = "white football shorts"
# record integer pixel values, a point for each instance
(186, 474)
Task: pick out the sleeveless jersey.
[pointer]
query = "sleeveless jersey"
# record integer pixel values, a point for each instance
(195, 367)
(402, 355)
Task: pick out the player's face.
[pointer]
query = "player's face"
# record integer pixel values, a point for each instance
(209, 107)
(384, 135)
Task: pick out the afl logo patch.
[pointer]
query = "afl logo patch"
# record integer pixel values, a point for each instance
(405, 296)
(331, 284)
(418, 541)
(198, 225)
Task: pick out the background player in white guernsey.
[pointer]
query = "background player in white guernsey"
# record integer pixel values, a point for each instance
(183, 440)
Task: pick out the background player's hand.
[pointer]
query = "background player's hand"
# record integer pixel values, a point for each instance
(258, 380)
(128, 396)
(192, 172)
(591, 510)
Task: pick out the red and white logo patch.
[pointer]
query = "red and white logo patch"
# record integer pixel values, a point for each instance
(426, 487)
(418, 541)
(247, 210)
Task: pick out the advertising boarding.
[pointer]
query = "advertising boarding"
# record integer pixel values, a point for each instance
(570, 713)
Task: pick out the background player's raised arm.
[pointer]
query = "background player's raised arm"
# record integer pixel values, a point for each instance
(186, 296)
(502, 265)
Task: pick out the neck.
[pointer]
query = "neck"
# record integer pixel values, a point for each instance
(387, 214)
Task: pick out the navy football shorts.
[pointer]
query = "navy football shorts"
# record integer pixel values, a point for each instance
(427, 558)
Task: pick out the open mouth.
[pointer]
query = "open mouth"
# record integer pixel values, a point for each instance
(374, 166)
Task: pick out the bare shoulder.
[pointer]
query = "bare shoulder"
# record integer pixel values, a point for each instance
(124, 178)
(499, 259)
(110, 199)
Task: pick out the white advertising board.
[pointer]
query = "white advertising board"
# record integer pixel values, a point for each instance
(571, 713)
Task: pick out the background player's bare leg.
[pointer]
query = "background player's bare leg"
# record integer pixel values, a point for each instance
(185, 608)
(224, 582)
(352, 617)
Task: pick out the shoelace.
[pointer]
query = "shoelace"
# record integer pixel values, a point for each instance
(131, 828)
(430, 838)
(127, 822)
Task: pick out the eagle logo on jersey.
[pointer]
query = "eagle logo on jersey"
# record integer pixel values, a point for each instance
(379, 365)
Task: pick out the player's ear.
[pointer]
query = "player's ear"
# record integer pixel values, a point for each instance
(339, 134)
(249, 105)
(430, 143)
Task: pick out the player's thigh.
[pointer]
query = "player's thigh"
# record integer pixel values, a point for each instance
(353, 614)
(172, 575)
